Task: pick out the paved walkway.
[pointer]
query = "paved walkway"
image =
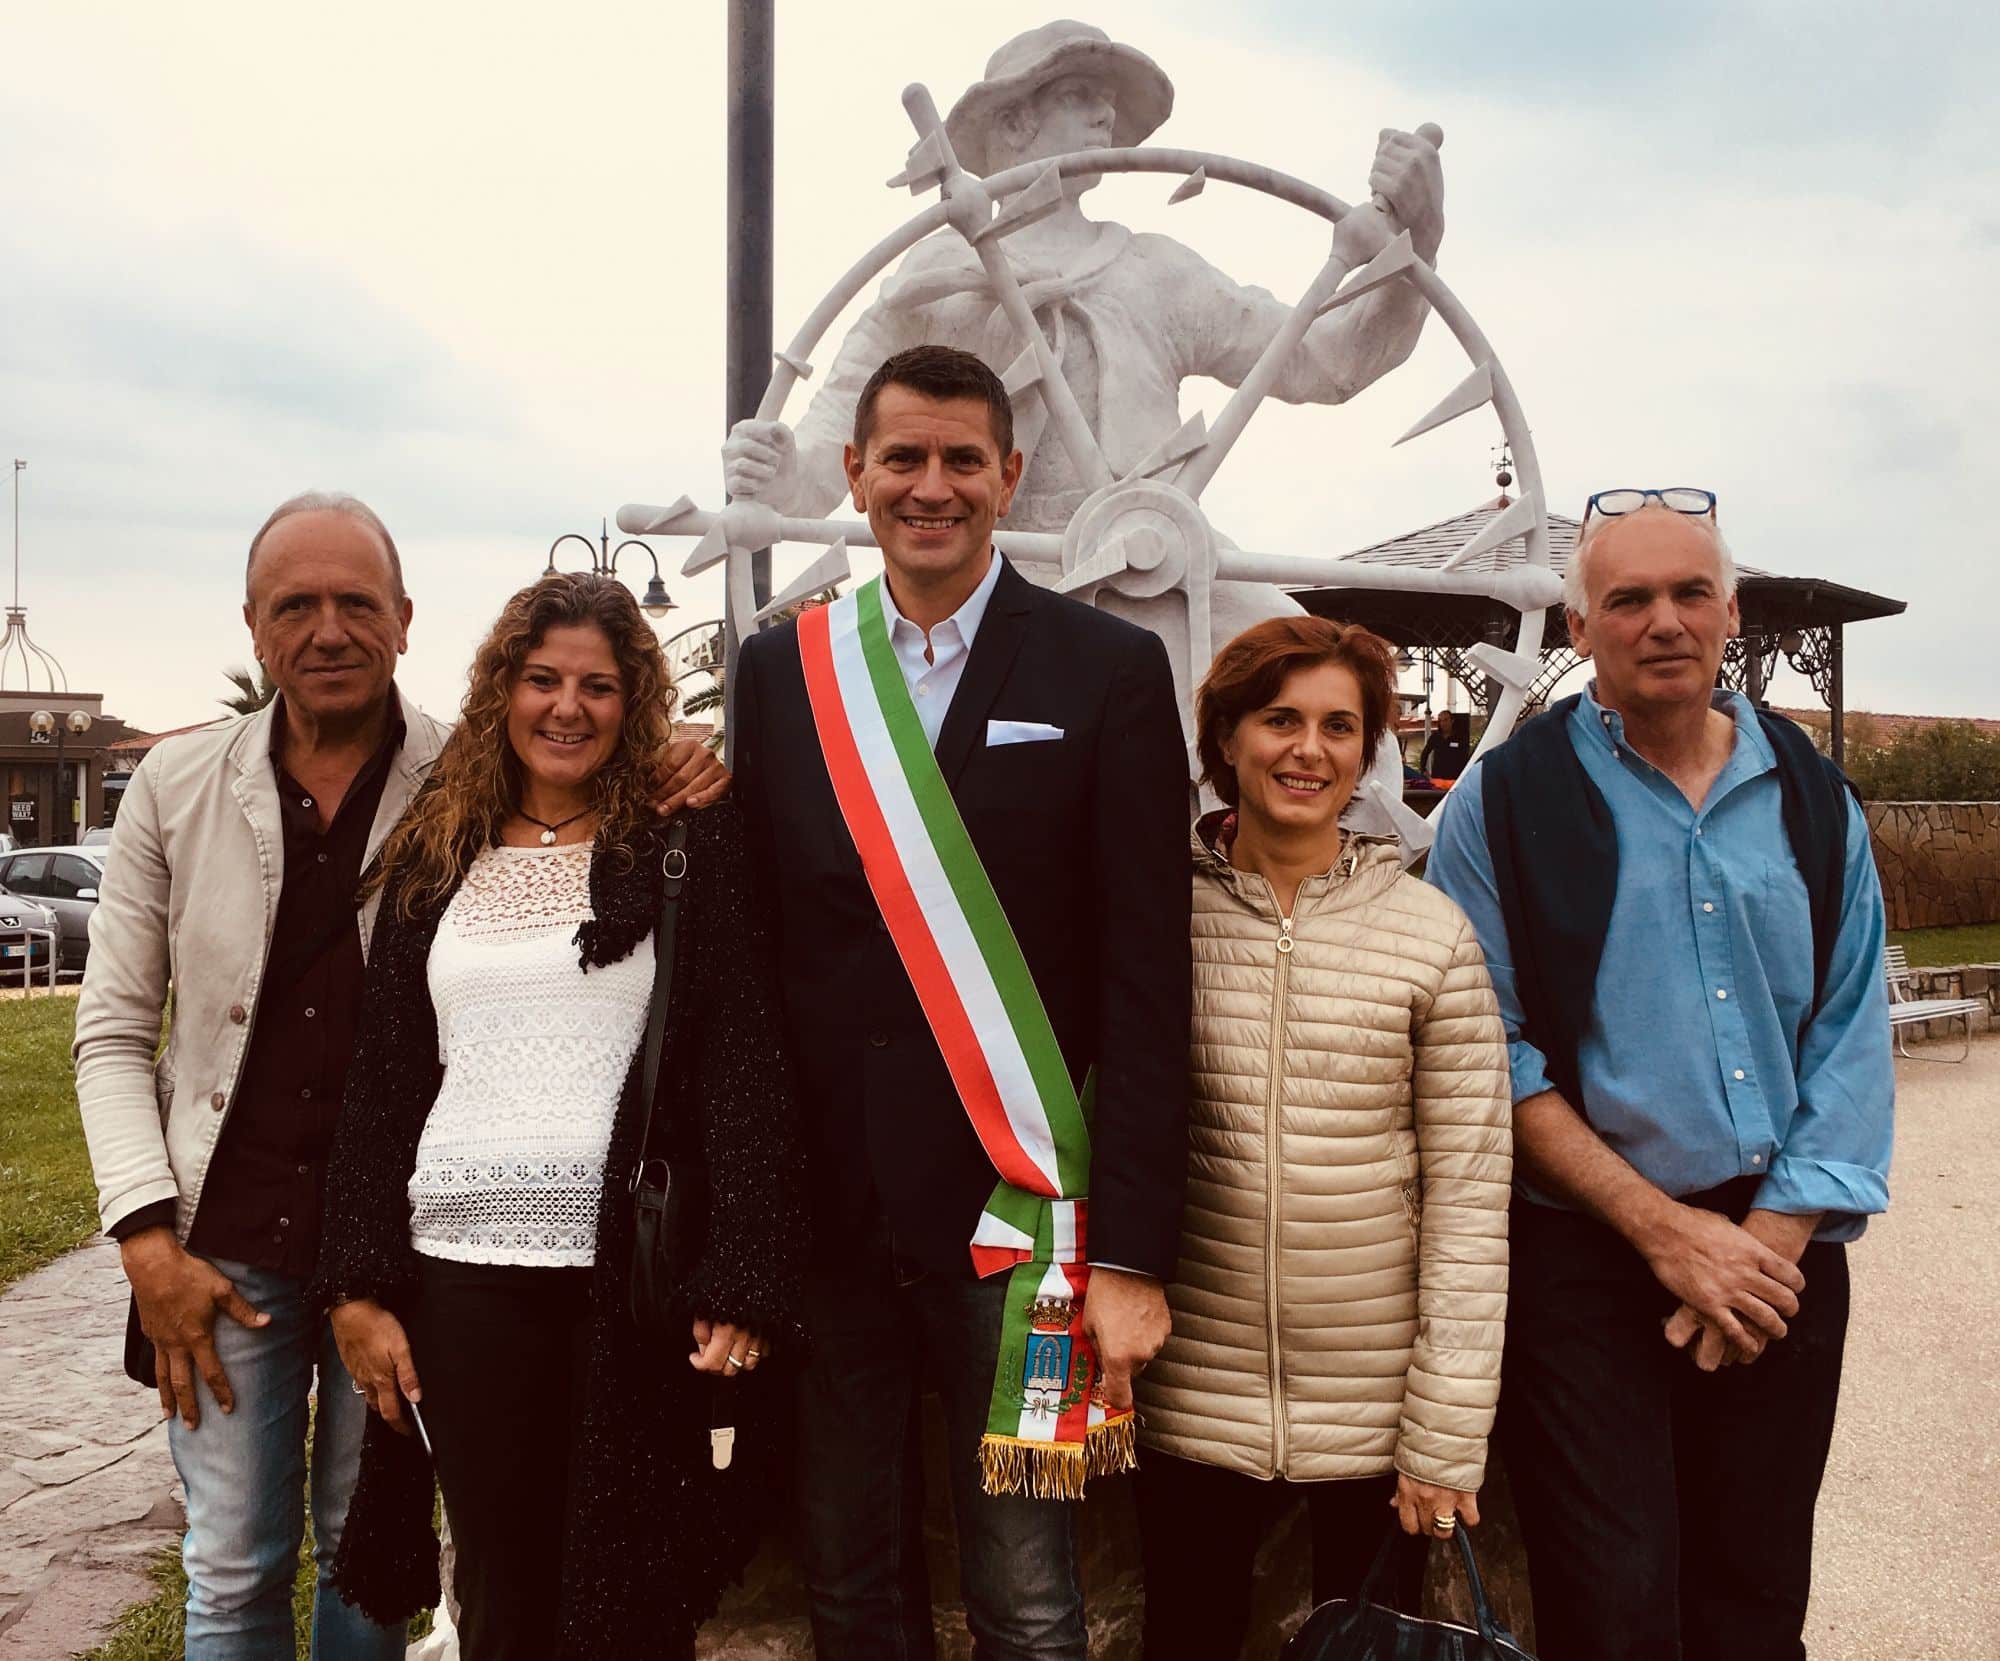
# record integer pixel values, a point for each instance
(87, 1489)
(1906, 1553)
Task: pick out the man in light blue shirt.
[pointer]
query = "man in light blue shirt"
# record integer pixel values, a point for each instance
(1680, 912)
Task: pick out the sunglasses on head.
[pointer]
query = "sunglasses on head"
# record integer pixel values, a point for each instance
(1608, 504)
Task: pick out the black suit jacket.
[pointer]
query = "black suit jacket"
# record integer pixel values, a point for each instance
(1085, 840)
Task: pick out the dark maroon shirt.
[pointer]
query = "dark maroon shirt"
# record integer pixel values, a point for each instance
(260, 1202)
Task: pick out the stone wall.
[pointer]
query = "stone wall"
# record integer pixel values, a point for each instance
(1940, 861)
(1975, 981)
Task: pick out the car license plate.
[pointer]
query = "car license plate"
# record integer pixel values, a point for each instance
(13, 951)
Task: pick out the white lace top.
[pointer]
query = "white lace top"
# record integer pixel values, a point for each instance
(535, 1053)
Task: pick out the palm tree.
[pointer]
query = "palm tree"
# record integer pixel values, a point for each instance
(708, 698)
(251, 694)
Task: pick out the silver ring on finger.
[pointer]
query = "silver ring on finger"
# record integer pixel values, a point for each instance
(359, 1390)
(753, 1355)
(731, 1361)
(1444, 1522)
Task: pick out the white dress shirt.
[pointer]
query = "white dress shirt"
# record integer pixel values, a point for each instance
(934, 665)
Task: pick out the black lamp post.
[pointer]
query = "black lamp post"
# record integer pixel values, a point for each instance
(604, 563)
(43, 725)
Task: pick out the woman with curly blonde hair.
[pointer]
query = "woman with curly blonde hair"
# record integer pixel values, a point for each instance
(478, 1222)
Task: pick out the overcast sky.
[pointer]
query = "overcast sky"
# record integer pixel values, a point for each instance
(467, 262)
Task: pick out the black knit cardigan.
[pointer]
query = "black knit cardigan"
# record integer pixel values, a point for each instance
(654, 1532)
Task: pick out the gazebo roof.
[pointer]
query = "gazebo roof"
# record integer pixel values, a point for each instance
(1771, 603)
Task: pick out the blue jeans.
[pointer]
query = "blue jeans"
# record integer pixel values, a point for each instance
(878, 1338)
(245, 1476)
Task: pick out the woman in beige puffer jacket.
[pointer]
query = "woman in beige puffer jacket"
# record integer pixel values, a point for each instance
(1341, 1296)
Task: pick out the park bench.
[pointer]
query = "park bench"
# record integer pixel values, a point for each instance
(1907, 1010)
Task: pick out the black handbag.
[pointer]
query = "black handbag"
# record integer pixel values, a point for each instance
(669, 1187)
(1360, 1629)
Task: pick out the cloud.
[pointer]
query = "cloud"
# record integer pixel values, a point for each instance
(1771, 81)
(470, 267)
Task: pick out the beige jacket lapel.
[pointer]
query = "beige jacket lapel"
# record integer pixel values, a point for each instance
(255, 787)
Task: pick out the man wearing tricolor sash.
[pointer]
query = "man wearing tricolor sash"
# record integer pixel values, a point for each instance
(972, 797)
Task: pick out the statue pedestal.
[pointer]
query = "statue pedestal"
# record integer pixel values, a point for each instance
(765, 1618)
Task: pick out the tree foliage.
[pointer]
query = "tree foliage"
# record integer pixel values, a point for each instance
(1949, 761)
(252, 693)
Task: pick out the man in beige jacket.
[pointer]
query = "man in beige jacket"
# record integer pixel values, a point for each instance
(230, 889)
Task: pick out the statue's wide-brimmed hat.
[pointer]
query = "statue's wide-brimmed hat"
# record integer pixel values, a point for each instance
(1142, 94)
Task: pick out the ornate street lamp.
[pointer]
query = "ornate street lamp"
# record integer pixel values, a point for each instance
(604, 563)
(42, 726)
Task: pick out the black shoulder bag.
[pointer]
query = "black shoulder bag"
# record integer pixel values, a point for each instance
(669, 1185)
(669, 1188)
(1361, 1629)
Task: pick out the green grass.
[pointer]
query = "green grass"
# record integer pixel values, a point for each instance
(1931, 948)
(154, 1630)
(47, 1201)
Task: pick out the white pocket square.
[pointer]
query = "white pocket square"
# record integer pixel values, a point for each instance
(1020, 732)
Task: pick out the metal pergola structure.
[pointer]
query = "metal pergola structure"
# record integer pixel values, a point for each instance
(1801, 619)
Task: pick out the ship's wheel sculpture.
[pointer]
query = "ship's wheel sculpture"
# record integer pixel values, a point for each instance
(1143, 536)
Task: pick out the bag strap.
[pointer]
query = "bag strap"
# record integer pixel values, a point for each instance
(673, 875)
(673, 878)
(1482, 1610)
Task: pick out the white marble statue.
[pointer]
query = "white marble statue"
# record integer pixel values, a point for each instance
(1127, 316)
(1093, 328)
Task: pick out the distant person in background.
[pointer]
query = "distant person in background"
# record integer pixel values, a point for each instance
(1448, 749)
(1342, 1288)
(1681, 915)
(230, 889)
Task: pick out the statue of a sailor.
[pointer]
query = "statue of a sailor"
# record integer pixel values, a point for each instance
(1128, 315)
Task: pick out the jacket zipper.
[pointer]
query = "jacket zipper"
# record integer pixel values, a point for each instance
(1273, 1165)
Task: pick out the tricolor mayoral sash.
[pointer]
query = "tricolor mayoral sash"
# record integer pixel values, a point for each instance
(1046, 1430)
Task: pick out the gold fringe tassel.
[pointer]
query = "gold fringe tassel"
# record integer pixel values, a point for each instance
(1057, 1471)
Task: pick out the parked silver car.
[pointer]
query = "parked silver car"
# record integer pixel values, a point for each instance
(19, 952)
(65, 881)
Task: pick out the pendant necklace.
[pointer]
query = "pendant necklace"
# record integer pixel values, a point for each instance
(549, 830)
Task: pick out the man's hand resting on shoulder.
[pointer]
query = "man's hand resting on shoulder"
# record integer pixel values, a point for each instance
(691, 775)
(1125, 1318)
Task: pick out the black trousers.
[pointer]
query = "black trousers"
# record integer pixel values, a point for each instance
(880, 1329)
(499, 1350)
(1668, 1512)
(1200, 1528)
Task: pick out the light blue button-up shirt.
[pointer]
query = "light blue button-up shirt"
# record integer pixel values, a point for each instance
(934, 664)
(1699, 1064)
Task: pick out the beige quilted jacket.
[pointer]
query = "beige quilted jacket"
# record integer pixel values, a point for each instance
(1342, 1287)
